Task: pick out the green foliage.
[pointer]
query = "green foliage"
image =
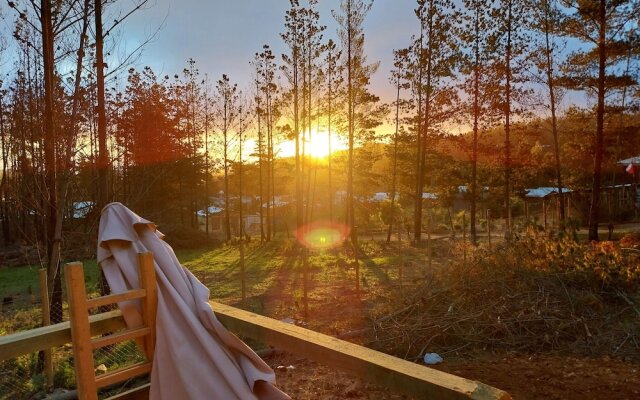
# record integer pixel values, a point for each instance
(24, 380)
(64, 376)
(389, 213)
(181, 237)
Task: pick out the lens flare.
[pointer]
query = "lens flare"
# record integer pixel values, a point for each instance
(322, 234)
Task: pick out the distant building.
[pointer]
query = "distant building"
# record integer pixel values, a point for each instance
(216, 221)
(543, 203)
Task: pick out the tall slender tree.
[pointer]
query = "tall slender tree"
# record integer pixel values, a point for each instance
(312, 49)
(292, 68)
(545, 20)
(358, 72)
(604, 24)
(435, 57)
(228, 104)
(269, 91)
(399, 80)
(476, 34)
(512, 48)
(333, 85)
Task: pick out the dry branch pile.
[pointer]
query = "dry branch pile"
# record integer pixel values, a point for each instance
(536, 295)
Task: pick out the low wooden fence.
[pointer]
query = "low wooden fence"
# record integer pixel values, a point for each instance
(370, 365)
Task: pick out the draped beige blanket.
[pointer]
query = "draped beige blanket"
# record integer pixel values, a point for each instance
(195, 356)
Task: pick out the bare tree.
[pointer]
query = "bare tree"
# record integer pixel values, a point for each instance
(398, 78)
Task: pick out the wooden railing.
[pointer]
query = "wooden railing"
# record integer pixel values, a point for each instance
(370, 365)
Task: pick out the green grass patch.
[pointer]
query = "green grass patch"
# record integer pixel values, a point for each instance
(21, 283)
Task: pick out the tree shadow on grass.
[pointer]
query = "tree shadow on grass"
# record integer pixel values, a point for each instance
(372, 267)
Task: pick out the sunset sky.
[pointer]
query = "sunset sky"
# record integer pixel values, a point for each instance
(223, 36)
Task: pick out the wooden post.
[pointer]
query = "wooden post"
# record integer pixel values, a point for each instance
(46, 321)
(77, 299)
(305, 283)
(356, 262)
(243, 282)
(489, 227)
(429, 237)
(147, 275)
(464, 237)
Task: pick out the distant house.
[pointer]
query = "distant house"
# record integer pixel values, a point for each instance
(216, 217)
(277, 202)
(635, 161)
(543, 192)
(544, 201)
(429, 196)
(617, 202)
(379, 197)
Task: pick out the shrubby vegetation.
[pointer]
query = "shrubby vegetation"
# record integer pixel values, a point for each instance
(538, 294)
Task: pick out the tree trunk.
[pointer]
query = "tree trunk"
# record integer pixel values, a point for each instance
(507, 130)
(53, 226)
(103, 188)
(394, 172)
(599, 139)
(227, 205)
(552, 100)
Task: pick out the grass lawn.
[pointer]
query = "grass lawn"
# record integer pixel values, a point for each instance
(22, 284)
(274, 280)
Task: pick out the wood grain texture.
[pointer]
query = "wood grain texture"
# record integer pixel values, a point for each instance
(373, 366)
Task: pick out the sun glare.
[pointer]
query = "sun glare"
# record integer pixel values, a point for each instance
(317, 145)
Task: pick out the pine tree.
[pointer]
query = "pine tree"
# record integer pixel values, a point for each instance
(292, 68)
(399, 80)
(606, 25)
(434, 60)
(545, 20)
(227, 113)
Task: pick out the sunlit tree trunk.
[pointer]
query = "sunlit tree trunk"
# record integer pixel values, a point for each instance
(549, 30)
(103, 188)
(507, 125)
(53, 226)
(599, 142)
(476, 117)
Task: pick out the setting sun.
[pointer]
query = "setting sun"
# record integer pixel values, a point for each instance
(317, 145)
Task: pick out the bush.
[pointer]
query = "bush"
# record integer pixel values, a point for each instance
(630, 240)
(535, 294)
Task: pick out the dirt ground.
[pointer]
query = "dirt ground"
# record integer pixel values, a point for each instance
(524, 377)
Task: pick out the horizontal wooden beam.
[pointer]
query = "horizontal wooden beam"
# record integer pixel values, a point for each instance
(46, 337)
(373, 366)
(123, 374)
(116, 298)
(103, 341)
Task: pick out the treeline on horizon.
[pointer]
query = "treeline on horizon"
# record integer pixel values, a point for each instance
(72, 130)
